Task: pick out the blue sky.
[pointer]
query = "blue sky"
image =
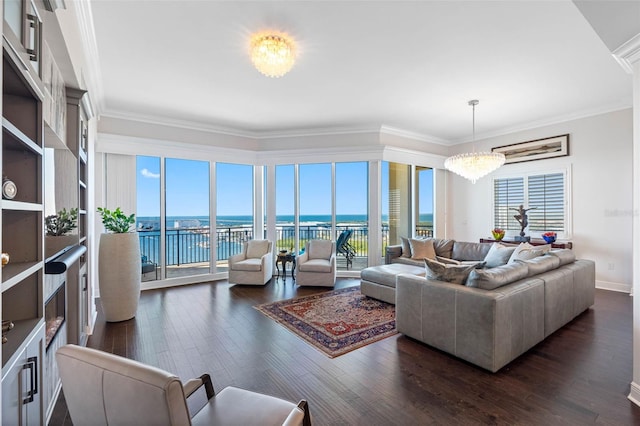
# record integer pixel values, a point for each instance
(187, 188)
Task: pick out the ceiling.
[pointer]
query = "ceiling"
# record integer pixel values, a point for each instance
(362, 65)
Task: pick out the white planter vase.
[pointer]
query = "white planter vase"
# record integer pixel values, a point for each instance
(119, 269)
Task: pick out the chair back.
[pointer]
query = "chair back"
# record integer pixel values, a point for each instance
(343, 241)
(257, 248)
(105, 389)
(320, 249)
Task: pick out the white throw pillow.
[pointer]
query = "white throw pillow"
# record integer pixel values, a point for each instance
(498, 255)
(422, 249)
(526, 251)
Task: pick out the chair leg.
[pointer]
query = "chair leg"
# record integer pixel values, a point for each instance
(304, 406)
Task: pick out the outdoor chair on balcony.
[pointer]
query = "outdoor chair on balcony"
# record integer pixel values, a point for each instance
(106, 389)
(344, 248)
(149, 266)
(254, 265)
(317, 265)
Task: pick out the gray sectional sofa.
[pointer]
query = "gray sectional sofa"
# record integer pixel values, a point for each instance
(499, 314)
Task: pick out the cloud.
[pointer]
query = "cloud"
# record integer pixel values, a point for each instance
(146, 173)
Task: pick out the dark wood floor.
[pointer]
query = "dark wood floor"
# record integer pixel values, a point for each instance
(579, 375)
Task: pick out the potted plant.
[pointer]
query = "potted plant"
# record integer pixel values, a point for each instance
(58, 226)
(119, 266)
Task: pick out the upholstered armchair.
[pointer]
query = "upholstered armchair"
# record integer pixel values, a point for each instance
(254, 265)
(317, 265)
(105, 389)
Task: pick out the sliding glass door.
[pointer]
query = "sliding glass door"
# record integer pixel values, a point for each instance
(352, 204)
(148, 215)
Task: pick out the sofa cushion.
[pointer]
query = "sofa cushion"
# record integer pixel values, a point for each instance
(422, 249)
(320, 249)
(456, 274)
(444, 248)
(315, 265)
(490, 279)
(498, 255)
(253, 265)
(446, 260)
(387, 274)
(257, 248)
(541, 264)
(470, 251)
(566, 256)
(406, 247)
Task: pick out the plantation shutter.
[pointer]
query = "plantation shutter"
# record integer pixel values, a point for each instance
(546, 193)
(507, 193)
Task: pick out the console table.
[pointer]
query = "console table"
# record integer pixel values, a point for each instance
(533, 242)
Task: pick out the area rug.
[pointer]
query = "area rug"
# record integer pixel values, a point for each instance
(335, 322)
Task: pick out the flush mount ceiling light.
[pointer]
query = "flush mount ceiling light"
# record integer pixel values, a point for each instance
(273, 54)
(474, 165)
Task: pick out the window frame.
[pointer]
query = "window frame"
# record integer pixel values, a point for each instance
(521, 172)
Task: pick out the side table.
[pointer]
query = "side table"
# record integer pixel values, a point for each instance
(282, 259)
(533, 242)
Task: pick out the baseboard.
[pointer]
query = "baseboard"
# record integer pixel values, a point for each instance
(634, 394)
(620, 287)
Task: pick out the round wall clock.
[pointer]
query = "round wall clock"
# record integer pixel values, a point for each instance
(9, 189)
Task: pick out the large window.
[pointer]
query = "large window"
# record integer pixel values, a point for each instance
(285, 212)
(234, 216)
(352, 201)
(148, 214)
(187, 217)
(543, 194)
(424, 201)
(315, 202)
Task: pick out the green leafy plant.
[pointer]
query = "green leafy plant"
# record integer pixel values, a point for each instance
(61, 223)
(116, 221)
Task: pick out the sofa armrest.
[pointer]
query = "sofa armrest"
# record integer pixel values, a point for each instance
(392, 252)
(237, 258)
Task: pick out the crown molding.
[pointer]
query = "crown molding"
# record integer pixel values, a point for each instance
(549, 122)
(393, 131)
(628, 54)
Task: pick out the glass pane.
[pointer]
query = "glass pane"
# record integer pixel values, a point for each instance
(285, 231)
(315, 202)
(187, 217)
(148, 215)
(352, 202)
(13, 16)
(424, 201)
(234, 216)
(396, 211)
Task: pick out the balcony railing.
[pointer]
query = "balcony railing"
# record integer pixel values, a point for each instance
(191, 245)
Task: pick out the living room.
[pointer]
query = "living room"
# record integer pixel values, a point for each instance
(380, 121)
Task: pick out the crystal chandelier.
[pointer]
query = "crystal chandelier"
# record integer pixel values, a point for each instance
(273, 54)
(474, 165)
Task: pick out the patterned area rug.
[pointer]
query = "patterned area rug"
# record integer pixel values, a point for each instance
(335, 322)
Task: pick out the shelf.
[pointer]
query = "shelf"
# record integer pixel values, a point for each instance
(17, 134)
(14, 273)
(22, 333)
(21, 206)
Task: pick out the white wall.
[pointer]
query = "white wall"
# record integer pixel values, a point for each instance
(600, 161)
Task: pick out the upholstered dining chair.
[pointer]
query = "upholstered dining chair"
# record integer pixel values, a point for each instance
(105, 389)
(254, 265)
(317, 265)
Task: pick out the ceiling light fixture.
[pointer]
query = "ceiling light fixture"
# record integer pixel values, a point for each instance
(474, 165)
(273, 54)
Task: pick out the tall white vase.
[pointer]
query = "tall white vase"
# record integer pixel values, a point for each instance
(119, 272)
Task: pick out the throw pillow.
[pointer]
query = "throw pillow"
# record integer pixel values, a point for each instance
(490, 279)
(526, 251)
(422, 249)
(447, 260)
(456, 274)
(406, 248)
(498, 255)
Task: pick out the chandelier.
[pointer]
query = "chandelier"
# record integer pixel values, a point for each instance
(273, 54)
(474, 165)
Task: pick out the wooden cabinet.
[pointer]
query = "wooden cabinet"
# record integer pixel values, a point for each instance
(22, 383)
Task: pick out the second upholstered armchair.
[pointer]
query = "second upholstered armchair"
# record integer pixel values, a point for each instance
(254, 265)
(317, 265)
